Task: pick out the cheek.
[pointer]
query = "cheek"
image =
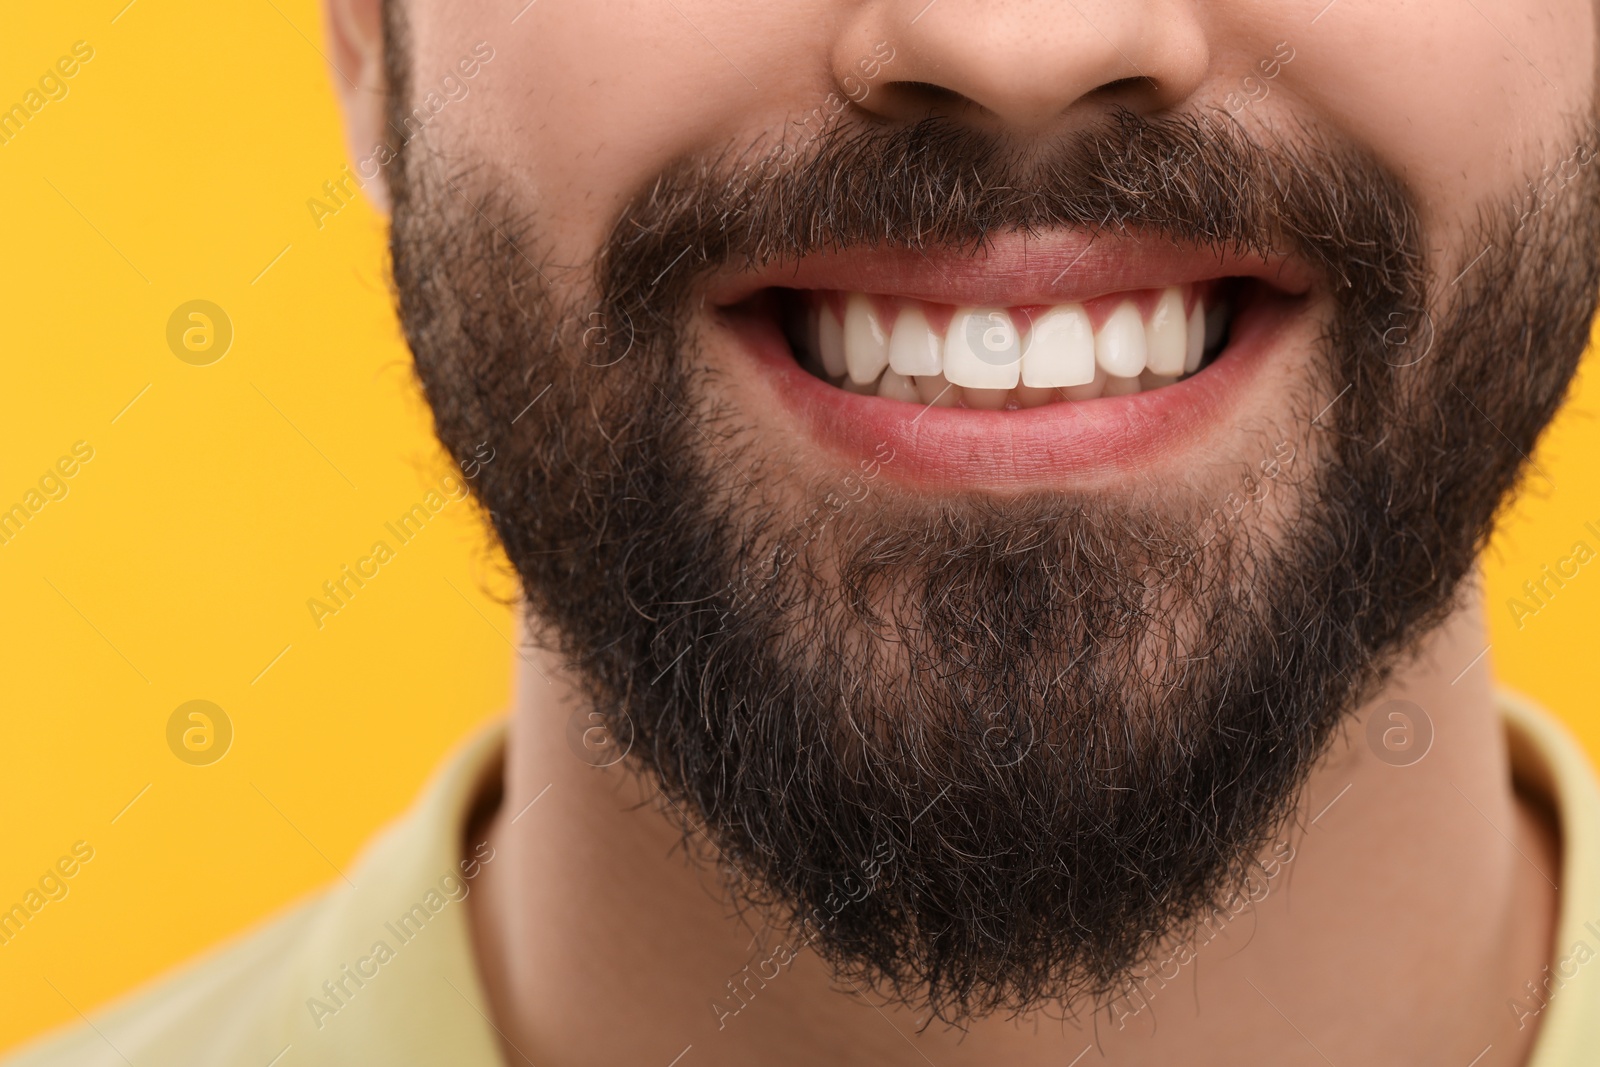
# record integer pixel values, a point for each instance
(1462, 112)
(585, 102)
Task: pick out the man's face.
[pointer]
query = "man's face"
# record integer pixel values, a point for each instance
(1215, 334)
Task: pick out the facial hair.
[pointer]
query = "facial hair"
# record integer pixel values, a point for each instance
(982, 753)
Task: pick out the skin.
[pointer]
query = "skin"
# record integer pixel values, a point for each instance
(598, 943)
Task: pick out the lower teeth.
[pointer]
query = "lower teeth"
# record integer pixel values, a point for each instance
(936, 391)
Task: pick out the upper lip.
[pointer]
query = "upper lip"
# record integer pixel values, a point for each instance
(1012, 270)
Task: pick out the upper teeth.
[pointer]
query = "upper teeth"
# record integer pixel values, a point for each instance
(866, 343)
(986, 351)
(1061, 349)
(914, 347)
(982, 349)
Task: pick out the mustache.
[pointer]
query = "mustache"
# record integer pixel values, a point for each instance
(1197, 180)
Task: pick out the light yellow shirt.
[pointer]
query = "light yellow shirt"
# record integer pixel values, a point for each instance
(381, 971)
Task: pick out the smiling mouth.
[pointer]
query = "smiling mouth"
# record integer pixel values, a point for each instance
(1008, 358)
(1038, 360)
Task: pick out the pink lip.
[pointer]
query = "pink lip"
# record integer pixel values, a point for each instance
(1049, 447)
(1014, 271)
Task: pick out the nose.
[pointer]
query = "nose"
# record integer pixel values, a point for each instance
(1027, 65)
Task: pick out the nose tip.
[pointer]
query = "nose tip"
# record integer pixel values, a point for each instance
(1027, 64)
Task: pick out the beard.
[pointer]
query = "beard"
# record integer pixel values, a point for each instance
(984, 753)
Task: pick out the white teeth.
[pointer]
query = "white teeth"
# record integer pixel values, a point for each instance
(830, 342)
(1119, 343)
(1166, 335)
(1028, 397)
(1195, 341)
(1090, 390)
(914, 348)
(935, 389)
(982, 361)
(1216, 322)
(982, 350)
(985, 399)
(1060, 349)
(894, 386)
(866, 345)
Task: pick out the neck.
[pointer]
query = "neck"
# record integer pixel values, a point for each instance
(1412, 901)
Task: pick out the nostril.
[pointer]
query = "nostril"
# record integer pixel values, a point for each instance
(927, 89)
(1135, 84)
(912, 101)
(906, 99)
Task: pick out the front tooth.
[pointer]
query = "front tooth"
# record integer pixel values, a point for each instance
(1060, 349)
(985, 399)
(914, 348)
(1166, 335)
(895, 386)
(830, 342)
(1195, 342)
(866, 345)
(935, 390)
(982, 350)
(1119, 343)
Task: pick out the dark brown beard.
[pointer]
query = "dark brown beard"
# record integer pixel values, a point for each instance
(984, 753)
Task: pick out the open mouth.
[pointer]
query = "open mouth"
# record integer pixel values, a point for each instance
(1008, 358)
(1040, 360)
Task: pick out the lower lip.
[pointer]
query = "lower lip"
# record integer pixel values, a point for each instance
(951, 449)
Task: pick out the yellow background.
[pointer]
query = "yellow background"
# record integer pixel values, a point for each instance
(179, 564)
